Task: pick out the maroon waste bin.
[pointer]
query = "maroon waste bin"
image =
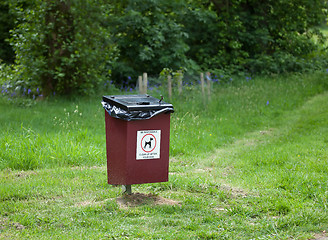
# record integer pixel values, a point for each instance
(137, 139)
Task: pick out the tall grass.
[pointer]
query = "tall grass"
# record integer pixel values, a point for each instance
(51, 134)
(71, 132)
(237, 108)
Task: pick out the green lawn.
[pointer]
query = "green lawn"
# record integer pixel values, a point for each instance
(249, 164)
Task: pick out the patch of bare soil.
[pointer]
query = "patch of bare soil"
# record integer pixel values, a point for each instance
(138, 199)
(235, 192)
(320, 236)
(229, 170)
(18, 226)
(5, 222)
(8, 173)
(203, 170)
(24, 174)
(87, 203)
(88, 168)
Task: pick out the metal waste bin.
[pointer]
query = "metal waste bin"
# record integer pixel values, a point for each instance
(137, 139)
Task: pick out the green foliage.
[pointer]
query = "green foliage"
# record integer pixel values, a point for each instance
(17, 90)
(6, 24)
(283, 62)
(250, 36)
(225, 34)
(62, 46)
(148, 36)
(76, 46)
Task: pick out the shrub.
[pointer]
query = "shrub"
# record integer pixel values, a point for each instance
(61, 46)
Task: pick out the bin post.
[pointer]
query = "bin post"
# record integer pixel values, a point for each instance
(127, 189)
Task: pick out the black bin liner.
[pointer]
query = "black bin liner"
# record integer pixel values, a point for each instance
(135, 107)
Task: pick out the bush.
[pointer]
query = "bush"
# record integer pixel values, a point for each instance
(62, 46)
(148, 36)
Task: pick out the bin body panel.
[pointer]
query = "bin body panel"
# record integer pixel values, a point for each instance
(122, 164)
(116, 139)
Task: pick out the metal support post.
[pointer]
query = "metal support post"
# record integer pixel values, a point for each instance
(127, 189)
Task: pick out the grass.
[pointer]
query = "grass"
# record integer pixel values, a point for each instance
(249, 164)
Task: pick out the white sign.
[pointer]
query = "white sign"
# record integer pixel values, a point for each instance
(148, 144)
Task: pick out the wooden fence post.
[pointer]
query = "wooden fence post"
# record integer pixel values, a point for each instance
(145, 83)
(202, 84)
(140, 85)
(208, 79)
(180, 81)
(169, 85)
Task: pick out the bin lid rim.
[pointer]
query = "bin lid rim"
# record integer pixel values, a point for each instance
(141, 102)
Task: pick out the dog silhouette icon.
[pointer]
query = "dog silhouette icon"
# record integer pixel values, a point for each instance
(148, 143)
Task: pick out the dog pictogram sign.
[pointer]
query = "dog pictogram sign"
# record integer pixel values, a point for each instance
(148, 144)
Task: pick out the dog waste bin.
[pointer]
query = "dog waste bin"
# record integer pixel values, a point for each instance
(137, 139)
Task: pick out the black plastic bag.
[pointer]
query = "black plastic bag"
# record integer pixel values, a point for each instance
(126, 115)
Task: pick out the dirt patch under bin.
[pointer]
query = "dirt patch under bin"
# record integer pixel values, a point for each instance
(139, 199)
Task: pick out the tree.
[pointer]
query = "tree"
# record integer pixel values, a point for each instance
(250, 31)
(6, 24)
(62, 46)
(148, 36)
